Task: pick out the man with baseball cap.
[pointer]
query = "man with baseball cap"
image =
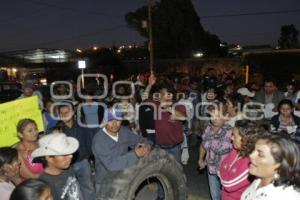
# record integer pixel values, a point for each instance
(56, 153)
(110, 146)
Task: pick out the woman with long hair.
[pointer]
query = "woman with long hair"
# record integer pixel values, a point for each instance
(28, 134)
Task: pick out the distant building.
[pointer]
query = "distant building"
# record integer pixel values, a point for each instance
(41, 56)
(24, 64)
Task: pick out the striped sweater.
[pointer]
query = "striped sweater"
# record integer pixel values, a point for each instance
(234, 174)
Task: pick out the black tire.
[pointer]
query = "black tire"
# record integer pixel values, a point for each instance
(159, 164)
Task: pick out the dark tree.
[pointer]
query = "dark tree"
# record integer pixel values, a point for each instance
(177, 31)
(288, 37)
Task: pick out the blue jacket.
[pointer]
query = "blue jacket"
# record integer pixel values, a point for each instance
(114, 156)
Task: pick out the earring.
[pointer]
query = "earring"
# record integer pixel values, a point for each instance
(276, 176)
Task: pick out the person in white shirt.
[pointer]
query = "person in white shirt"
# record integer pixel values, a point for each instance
(233, 106)
(275, 162)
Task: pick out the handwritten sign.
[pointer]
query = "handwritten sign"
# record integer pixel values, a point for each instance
(12, 112)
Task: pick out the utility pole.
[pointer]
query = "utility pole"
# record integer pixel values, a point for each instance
(150, 37)
(247, 74)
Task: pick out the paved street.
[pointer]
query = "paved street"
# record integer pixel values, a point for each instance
(196, 181)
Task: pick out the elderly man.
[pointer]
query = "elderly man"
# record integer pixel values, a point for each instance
(115, 147)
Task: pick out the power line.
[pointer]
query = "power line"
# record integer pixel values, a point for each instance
(248, 35)
(79, 11)
(251, 14)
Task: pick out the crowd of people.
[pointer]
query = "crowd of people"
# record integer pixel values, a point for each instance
(249, 137)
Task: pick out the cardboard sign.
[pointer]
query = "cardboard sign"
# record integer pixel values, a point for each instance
(12, 112)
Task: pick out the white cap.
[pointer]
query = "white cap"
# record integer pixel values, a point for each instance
(56, 144)
(245, 92)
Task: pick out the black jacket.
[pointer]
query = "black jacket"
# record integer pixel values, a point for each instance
(275, 121)
(84, 137)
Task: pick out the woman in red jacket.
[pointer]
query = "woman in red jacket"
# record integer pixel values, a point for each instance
(234, 170)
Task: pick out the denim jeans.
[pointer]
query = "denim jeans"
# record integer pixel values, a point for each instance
(83, 173)
(176, 152)
(214, 186)
(98, 188)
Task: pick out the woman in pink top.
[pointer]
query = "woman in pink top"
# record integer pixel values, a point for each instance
(234, 169)
(28, 133)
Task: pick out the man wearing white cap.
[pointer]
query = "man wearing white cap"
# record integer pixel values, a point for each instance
(111, 144)
(55, 151)
(245, 92)
(251, 109)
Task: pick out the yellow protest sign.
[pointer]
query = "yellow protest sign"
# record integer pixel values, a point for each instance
(13, 111)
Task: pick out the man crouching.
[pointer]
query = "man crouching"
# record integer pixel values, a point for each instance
(115, 147)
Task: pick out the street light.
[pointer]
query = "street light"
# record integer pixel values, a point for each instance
(82, 66)
(198, 55)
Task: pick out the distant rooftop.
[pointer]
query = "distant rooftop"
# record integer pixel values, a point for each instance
(266, 46)
(39, 55)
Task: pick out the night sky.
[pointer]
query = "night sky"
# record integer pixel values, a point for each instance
(70, 24)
